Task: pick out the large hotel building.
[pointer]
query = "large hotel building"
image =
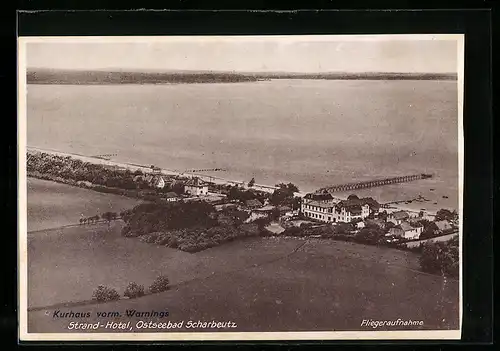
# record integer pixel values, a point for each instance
(323, 207)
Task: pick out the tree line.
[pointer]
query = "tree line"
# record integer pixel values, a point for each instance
(187, 226)
(100, 177)
(284, 195)
(106, 216)
(96, 77)
(441, 257)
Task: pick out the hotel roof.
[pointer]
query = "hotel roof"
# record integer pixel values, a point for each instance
(371, 202)
(319, 196)
(196, 182)
(353, 200)
(400, 215)
(321, 204)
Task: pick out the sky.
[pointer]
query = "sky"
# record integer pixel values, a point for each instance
(255, 55)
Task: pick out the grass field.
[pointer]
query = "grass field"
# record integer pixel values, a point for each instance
(261, 284)
(83, 257)
(52, 205)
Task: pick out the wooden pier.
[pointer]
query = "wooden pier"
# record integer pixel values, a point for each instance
(374, 183)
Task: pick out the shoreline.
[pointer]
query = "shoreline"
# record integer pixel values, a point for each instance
(133, 167)
(208, 178)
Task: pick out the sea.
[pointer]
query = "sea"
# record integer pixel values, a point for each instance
(313, 133)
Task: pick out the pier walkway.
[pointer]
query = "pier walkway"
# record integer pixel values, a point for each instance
(374, 183)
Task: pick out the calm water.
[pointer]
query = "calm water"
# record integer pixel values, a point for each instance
(310, 132)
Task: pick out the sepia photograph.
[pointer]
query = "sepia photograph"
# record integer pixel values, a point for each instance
(240, 187)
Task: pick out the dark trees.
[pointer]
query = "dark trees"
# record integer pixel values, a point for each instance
(442, 257)
(447, 215)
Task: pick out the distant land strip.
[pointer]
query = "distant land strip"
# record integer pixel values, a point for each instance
(46, 76)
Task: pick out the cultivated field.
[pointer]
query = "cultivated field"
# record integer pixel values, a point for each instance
(52, 205)
(262, 284)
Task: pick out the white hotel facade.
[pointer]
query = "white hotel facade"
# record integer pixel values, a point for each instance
(316, 210)
(324, 208)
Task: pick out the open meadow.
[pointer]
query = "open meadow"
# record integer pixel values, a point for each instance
(52, 205)
(262, 284)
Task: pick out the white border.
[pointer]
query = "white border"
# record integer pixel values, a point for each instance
(461, 169)
(314, 335)
(252, 336)
(242, 38)
(22, 235)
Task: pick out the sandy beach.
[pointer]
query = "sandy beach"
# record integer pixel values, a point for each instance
(144, 168)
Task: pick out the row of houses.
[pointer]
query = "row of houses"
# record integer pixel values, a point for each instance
(193, 186)
(412, 229)
(364, 211)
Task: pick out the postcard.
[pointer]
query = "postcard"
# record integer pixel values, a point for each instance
(176, 188)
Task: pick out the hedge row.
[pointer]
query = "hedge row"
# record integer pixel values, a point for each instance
(133, 290)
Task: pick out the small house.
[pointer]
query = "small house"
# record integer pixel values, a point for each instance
(196, 187)
(443, 226)
(360, 225)
(157, 182)
(412, 231)
(253, 203)
(398, 217)
(171, 197)
(406, 231)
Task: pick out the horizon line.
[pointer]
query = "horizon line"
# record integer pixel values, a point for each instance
(146, 70)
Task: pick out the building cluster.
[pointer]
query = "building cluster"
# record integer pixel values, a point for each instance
(318, 207)
(324, 208)
(191, 187)
(361, 212)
